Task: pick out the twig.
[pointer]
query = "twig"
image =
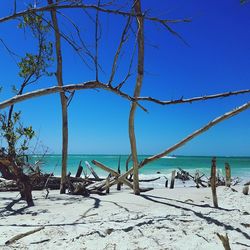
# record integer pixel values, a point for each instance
(20, 236)
(122, 41)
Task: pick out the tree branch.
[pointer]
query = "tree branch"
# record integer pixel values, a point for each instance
(56, 6)
(193, 99)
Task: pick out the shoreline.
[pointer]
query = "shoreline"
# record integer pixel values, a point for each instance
(181, 218)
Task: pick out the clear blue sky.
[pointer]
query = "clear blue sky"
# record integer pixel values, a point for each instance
(217, 60)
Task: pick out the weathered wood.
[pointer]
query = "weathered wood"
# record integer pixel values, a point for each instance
(113, 173)
(107, 184)
(245, 190)
(119, 172)
(20, 236)
(127, 161)
(149, 180)
(172, 179)
(92, 171)
(213, 182)
(166, 182)
(225, 241)
(228, 174)
(63, 98)
(79, 170)
(137, 90)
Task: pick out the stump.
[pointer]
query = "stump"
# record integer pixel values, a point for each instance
(228, 175)
(172, 179)
(213, 182)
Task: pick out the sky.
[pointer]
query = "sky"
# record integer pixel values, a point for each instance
(217, 59)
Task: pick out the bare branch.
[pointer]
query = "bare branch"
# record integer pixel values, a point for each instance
(84, 46)
(122, 41)
(193, 99)
(96, 40)
(100, 8)
(71, 87)
(119, 86)
(173, 32)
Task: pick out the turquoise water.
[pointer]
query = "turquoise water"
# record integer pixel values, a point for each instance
(240, 166)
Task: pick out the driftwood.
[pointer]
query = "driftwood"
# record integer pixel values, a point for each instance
(245, 190)
(149, 180)
(228, 174)
(172, 180)
(41, 181)
(182, 175)
(213, 182)
(107, 184)
(79, 170)
(20, 236)
(92, 171)
(10, 170)
(197, 178)
(119, 172)
(113, 173)
(225, 241)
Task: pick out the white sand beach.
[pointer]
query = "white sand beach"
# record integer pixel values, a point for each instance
(182, 218)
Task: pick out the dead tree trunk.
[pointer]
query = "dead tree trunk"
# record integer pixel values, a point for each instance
(172, 180)
(228, 175)
(63, 100)
(11, 171)
(140, 72)
(213, 182)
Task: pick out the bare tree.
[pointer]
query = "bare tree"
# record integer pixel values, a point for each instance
(59, 76)
(138, 85)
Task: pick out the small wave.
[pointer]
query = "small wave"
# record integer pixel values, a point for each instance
(169, 157)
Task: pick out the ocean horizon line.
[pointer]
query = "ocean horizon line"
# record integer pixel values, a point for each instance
(124, 154)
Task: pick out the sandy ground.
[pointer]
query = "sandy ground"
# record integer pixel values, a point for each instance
(183, 218)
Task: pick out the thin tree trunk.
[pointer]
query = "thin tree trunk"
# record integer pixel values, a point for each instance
(63, 101)
(140, 71)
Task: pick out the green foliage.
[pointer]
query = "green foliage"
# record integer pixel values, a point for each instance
(16, 135)
(36, 64)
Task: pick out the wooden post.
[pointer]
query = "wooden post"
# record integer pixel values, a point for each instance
(119, 172)
(79, 170)
(166, 183)
(245, 190)
(172, 179)
(228, 175)
(213, 182)
(107, 184)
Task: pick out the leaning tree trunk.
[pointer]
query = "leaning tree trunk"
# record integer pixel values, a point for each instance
(11, 171)
(63, 100)
(140, 71)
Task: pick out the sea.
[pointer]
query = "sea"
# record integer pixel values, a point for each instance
(240, 166)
